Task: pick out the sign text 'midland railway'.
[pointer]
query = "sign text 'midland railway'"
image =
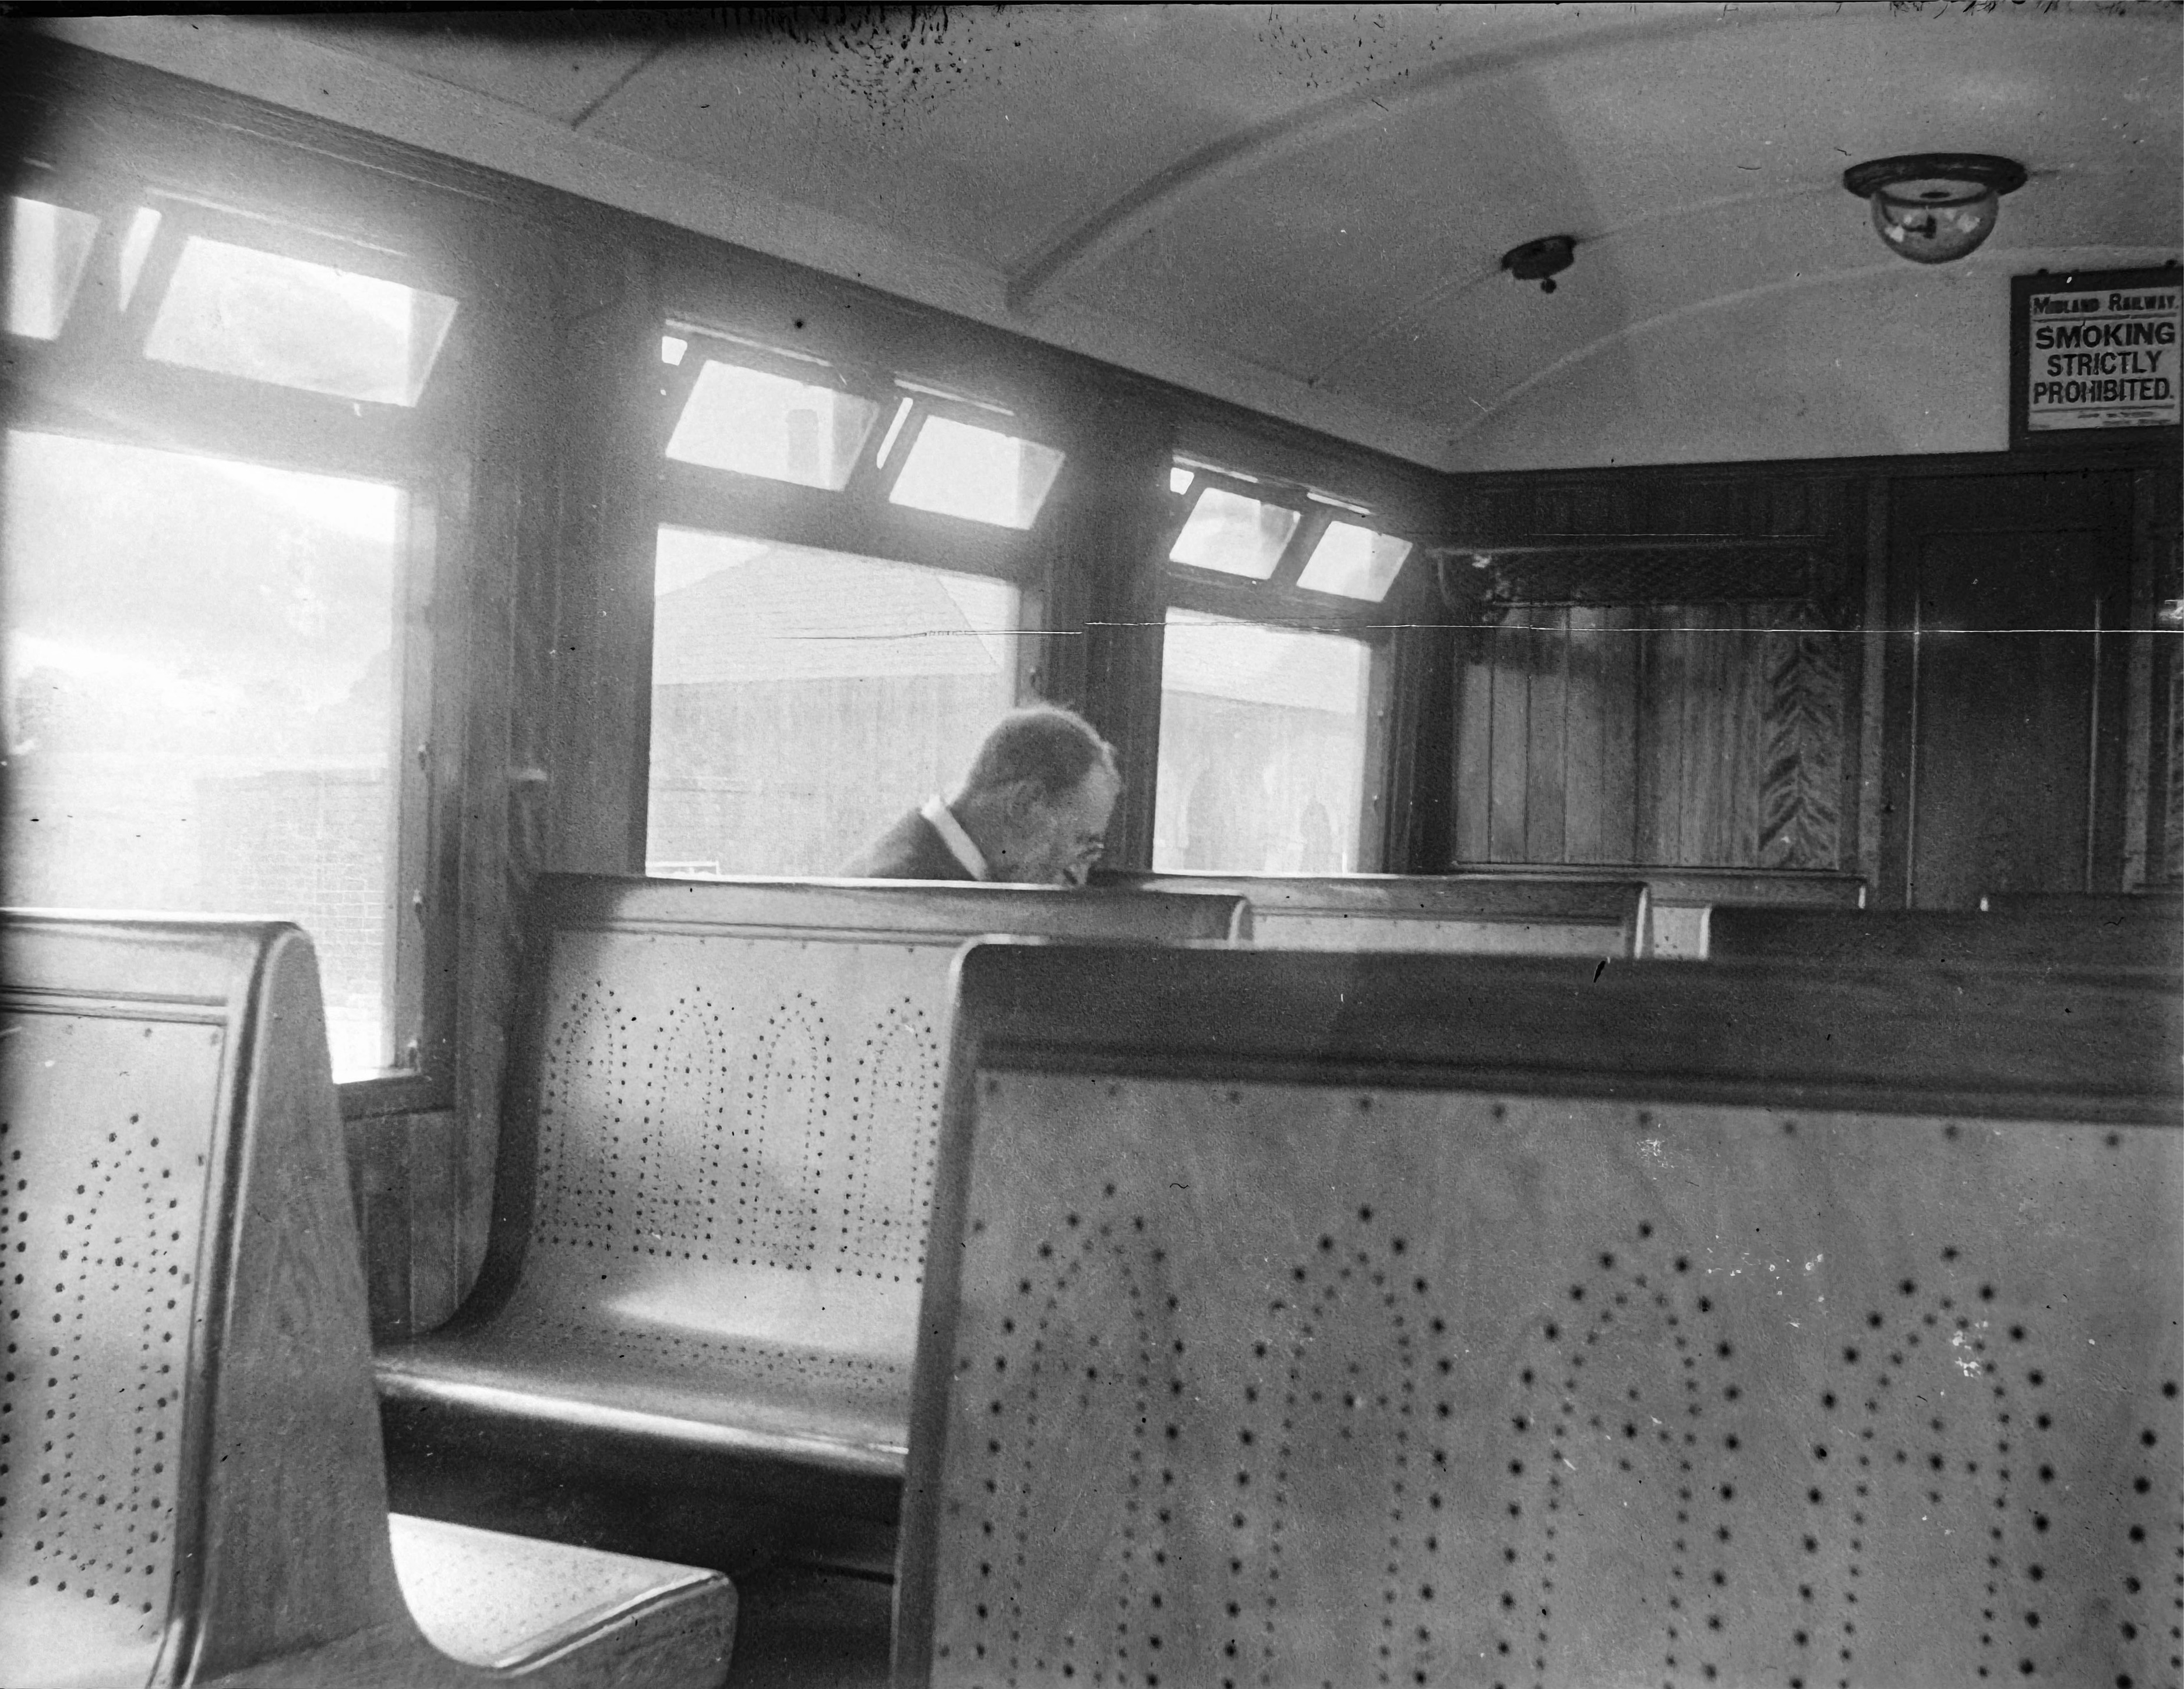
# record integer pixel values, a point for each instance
(2101, 358)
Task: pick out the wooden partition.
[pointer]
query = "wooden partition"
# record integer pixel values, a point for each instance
(1680, 900)
(191, 1483)
(1296, 1319)
(2055, 942)
(715, 1174)
(1488, 915)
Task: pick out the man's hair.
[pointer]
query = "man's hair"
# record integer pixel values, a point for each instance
(1051, 747)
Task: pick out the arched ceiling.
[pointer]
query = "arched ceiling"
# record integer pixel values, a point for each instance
(1301, 208)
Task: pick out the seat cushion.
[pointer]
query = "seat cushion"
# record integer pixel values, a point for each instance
(490, 1599)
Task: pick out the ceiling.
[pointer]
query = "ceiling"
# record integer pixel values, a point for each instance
(1300, 208)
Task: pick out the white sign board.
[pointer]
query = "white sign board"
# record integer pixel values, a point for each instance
(2100, 356)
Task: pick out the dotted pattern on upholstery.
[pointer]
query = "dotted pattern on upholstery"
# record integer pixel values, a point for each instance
(1582, 1393)
(736, 1148)
(99, 1235)
(491, 1599)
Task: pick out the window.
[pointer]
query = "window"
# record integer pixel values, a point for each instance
(1233, 534)
(803, 699)
(238, 311)
(1264, 742)
(758, 423)
(1354, 562)
(980, 474)
(209, 694)
(46, 248)
(201, 696)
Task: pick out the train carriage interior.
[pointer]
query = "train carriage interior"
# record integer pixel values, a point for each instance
(1612, 1111)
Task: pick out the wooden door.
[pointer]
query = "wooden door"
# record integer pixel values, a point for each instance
(2008, 597)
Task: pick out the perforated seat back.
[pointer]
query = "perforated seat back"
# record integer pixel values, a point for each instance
(1370, 1346)
(722, 1125)
(109, 1119)
(180, 1375)
(1488, 915)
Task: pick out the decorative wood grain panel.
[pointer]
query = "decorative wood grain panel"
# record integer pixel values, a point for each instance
(1800, 807)
(1695, 735)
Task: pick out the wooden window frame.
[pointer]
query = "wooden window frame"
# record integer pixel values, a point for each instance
(93, 382)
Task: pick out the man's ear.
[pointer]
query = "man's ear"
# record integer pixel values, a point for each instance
(1021, 800)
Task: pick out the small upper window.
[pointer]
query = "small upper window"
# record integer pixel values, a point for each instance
(757, 423)
(47, 246)
(980, 474)
(238, 311)
(1235, 534)
(1354, 561)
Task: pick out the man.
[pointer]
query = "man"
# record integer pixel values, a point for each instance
(1033, 811)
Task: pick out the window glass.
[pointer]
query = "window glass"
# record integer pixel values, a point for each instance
(761, 424)
(1354, 561)
(238, 311)
(1262, 747)
(802, 700)
(201, 700)
(978, 473)
(46, 248)
(1236, 535)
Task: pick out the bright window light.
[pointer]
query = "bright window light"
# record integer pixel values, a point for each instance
(201, 696)
(960, 471)
(1179, 479)
(672, 348)
(1354, 561)
(238, 311)
(1262, 740)
(803, 699)
(1236, 535)
(757, 423)
(46, 248)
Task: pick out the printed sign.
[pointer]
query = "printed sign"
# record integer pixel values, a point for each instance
(2093, 351)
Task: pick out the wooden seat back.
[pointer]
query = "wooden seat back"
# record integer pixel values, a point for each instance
(2055, 943)
(1489, 915)
(1679, 902)
(192, 1488)
(717, 1165)
(1418, 1320)
(2157, 905)
(163, 1344)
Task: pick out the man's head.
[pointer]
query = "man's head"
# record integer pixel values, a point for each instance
(1038, 797)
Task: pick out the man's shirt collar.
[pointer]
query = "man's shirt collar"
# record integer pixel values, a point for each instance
(943, 823)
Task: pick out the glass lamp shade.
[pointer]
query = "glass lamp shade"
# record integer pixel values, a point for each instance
(1933, 220)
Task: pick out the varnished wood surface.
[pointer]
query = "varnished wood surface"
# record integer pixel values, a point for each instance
(1476, 915)
(272, 1557)
(2152, 905)
(2059, 943)
(1528, 1360)
(1794, 888)
(1605, 897)
(1931, 1038)
(919, 908)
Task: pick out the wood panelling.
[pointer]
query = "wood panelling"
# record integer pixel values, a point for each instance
(1693, 735)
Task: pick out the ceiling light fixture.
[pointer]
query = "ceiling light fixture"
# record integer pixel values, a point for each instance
(1932, 208)
(1540, 260)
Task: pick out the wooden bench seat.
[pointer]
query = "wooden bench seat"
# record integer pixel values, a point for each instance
(1680, 900)
(1299, 1319)
(191, 1484)
(715, 1169)
(1497, 915)
(2056, 943)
